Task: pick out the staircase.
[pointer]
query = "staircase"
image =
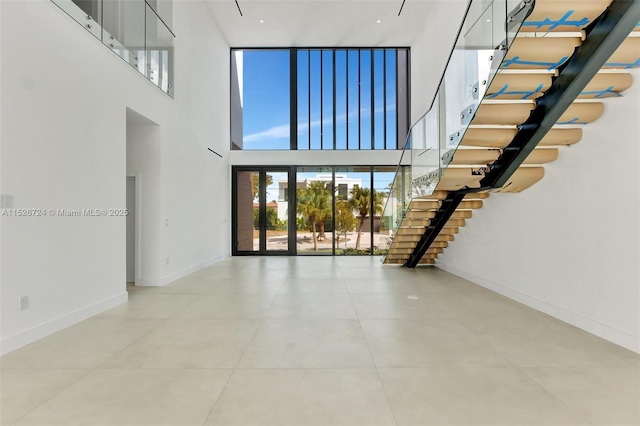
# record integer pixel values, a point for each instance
(503, 110)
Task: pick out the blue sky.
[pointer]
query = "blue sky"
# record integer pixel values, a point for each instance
(266, 99)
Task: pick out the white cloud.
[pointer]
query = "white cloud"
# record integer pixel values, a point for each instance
(275, 132)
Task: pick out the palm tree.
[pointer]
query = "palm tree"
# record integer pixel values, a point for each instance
(322, 193)
(306, 208)
(344, 221)
(314, 203)
(361, 202)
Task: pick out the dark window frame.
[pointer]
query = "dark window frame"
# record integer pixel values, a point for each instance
(402, 92)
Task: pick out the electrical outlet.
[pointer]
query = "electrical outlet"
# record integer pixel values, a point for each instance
(167, 261)
(210, 248)
(23, 303)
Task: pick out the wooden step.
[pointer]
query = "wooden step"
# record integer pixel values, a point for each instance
(440, 244)
(470, 205)
(436, 195)
(475, 156)
(407, 238)
(503, 114)
(403, 245)
(563, 16)
(530, 86)
(394, 250)
(427, 261)
(397, 259)
(462, 214)
(518, 86)
(627, 56)
(454, 223)
(410, 231)
(424, 204)
(518, 113)
(582, 113)
(477, 196)
(458, 178)
(420, 214)
(434, 250)
(416, 222)
(542, 156)
(540, 52)
(604, 85)
(523, 178)
(501, 137)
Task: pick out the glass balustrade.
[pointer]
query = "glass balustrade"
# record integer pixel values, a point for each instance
(485, 35)
(133, 30)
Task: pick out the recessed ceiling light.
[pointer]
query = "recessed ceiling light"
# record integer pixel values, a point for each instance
(378, 21)
(262, 21)
(488, 19)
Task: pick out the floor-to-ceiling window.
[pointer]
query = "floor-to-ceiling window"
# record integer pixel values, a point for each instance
(312, 210)
(319, 98)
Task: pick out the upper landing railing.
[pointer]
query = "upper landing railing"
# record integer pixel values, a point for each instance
(134, 31)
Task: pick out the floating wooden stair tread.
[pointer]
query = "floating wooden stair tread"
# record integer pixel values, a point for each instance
(501, 137)
(503, 114)
(542, 156)
(530, 86)
(436, 195)
(563, 16)
(540, 52)
(458, 178)
(425, 204)
(605, 85)
(470, 205)
(477, 195)
(523, 178)
(627, 56)
(518, 86)
(582, 113)
(475, 156)
(420, 214)
(517, 113)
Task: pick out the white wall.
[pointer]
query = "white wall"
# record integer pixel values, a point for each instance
(430, 52)
(63, 145)
(569, 246)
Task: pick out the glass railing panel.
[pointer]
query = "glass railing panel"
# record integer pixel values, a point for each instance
(133, 30)
(159, 52)
(124, 30)
(397, 200)
(425, 153)
(87, 13)
(474, 61)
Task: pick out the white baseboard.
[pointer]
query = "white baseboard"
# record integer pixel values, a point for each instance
(44, 329)
(167, 279)
(613, 335)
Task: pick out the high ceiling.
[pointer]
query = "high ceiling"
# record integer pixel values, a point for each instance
(307, 23)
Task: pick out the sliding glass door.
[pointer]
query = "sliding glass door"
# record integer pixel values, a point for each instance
(261, 211)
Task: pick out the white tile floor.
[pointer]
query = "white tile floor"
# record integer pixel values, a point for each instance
(320, 341)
